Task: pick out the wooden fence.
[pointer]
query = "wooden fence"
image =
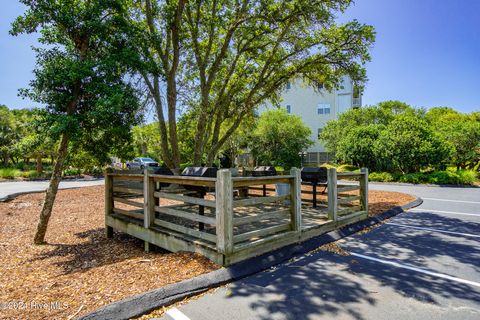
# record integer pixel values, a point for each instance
(226, 218)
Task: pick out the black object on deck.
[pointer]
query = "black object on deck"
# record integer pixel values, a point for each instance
(206, 172)
(264, 171)
(315, 176)
(163, 171)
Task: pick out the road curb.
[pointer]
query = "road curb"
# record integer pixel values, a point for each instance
(142, 303)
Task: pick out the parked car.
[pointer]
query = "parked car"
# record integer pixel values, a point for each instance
(141, 163)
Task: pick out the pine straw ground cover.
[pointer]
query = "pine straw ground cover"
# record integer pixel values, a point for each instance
(80, 270)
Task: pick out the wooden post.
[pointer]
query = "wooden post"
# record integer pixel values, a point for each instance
(364, 189)
(108, 201)
(296, 200)
(224, 211)
(332, 194)
(148, 199)
(148, 203)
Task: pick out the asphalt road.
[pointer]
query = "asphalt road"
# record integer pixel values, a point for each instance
(423, 264)
(12, 188)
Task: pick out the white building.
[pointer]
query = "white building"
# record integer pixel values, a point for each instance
(316, 107)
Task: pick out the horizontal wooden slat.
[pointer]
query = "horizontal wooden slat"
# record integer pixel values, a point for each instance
(249, 181)
(259, 200)
(262, 216)
(261, 188)
(185, 215)
(342, 212)
(181, 190)
(347, 188)
(185, 180)
(351, 216)
(134, 214)
(187, 199)
(261, 232)
(130, 177)
(348, 199)
(187, 231)
(128, 190)
(123, 175)
(350, 174)
(129, 202)
(273, 242)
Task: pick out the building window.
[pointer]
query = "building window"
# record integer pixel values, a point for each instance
(289, 85)
(289, 108)
(323, 108)
(319, 132)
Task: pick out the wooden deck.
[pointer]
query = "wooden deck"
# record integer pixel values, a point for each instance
(228, 219)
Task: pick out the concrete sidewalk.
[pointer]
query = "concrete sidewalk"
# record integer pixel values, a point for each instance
(11, 189)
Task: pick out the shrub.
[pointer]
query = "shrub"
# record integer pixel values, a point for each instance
(381, 177)
(31, 174)
(347, 168)
(94, 171)
(72, 172)
(410, 144)
(10, 173)
(358, 146)
(416, 178)
(467, 177)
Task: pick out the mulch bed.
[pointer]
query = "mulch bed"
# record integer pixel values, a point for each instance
(80, 270)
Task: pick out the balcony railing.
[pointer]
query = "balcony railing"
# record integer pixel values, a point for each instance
(357, 102)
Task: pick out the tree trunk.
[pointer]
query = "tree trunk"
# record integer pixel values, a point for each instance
(51, 192)
(39, 163)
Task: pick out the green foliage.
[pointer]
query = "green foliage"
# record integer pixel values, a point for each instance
(232, 57)
(10, 173)
(456, 177)
(390, 136)
(381, 176)
(381, 114)
(416, 178)
(80, 73)
(462, 130)
(347, 168)
(146, 140)
(32, 174)
(358, 146)
(72, 172)
(409, 144)
(279, 138)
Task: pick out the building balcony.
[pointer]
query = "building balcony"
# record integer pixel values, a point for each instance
(357, 102)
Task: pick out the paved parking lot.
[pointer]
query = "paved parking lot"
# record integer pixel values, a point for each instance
(423, 264)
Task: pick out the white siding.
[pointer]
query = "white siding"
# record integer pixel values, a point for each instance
(304, 101)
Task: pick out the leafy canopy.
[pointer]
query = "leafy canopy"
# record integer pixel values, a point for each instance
(278, 139)
(79, 74)
(223, 59)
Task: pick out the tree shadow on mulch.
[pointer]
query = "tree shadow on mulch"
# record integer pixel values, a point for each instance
(96, 251)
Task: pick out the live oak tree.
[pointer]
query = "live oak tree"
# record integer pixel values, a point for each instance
(221, 59)
(80, 78)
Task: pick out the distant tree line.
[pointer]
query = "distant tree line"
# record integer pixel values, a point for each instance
(394, 137)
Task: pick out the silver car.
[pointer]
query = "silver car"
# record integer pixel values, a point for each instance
(141, 163)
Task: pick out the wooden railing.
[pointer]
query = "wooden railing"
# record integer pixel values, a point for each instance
(341, 203)
(226, 214)
(260, 218)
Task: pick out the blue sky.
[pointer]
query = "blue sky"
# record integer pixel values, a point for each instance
(427, 52)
